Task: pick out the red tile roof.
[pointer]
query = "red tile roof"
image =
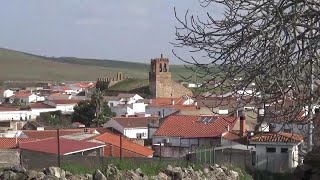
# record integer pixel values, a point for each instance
(114, 139)
(167, 102)
(34, 134)
(66, 101)
(84, 85)
(192, 127)
(4, 108)
(67, 146)
(234, 135)
(39, 106)
(133, 122)
(277, 137)
(11, 143)
(22, 94)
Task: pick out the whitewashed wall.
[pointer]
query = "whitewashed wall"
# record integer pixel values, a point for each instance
(15, 115)
(175, 141)
(132, 132)
(153, 110)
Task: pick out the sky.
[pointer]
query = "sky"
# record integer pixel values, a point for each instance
(129, 30)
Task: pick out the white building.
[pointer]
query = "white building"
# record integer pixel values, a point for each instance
(128, 98)
(15, 114)
(5, 94)
(129, 109)
(23, 97)
(132, 127)
(276, 151)
(193, 131)
(65, 106)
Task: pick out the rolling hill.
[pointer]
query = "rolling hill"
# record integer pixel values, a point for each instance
(15, 65)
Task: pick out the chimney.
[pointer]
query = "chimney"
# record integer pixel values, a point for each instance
(243, 125)
(161, 56)
(172, 102)
(196, 103)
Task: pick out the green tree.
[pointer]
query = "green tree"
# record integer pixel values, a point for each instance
(92, 113)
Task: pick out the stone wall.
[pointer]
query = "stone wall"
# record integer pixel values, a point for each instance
(179, 90)
(9, 157)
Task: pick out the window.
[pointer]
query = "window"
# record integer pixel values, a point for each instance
(270, 150)
(139, 135)
(284, 150)
(159, 113)
(111, 104)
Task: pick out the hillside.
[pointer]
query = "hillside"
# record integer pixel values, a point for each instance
(17, 65)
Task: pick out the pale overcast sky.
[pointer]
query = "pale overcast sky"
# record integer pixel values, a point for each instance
(131, 30)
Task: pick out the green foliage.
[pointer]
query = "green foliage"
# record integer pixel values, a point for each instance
(266, 175)
(242, 173)
(150, 167)
(96, 112)
(130, 84)
(54, 119)
(77, 168)
(84, 112)
(102, 85)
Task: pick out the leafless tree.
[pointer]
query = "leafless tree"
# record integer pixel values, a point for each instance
(271, 45)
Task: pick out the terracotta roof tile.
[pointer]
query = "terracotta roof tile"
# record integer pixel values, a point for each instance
(22, 94)
(277, 137)
(39, 106)
(132, 122)
(114, 140)
(193, 127)
(11, 143)
(66, 145)
(34, 134)
(66, 101)
(3, 108)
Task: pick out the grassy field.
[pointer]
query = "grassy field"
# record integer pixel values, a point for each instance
(16, 65)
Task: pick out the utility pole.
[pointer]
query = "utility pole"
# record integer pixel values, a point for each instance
(58, 140)
(120, 147)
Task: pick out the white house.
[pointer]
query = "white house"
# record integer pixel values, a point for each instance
(37, 108)
(132, 127)
(62, 89)
(15, 114)
(65, 106)
(160, 111)
(129, 109)
(23, 97)
(193, 131)
(5, 94)
(128, 98)
(276, 151)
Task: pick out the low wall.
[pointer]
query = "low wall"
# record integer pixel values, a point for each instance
(9, 157)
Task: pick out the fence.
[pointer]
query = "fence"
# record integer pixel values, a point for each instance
(38, 161)
(239, 158)
(9, 157)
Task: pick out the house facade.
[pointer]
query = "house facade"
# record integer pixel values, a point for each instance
(65, 105)
(276, 151)
(190, 132)
(133, 127)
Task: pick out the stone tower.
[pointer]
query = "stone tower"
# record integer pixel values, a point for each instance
(160, 78)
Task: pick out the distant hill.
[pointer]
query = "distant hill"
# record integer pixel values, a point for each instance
(17, 65)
